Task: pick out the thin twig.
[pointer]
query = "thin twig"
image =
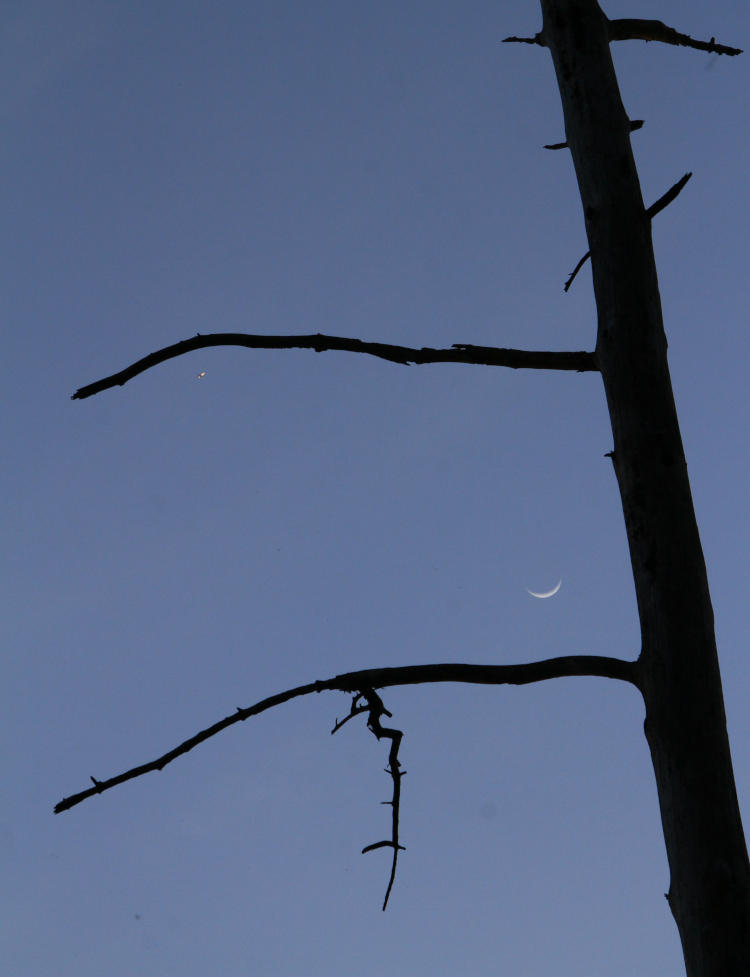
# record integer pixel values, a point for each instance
(668, 197)
(635, 29)
(651, 212)
(375, 708)
(571, 277)
(381, 678)
(355, 710)
(458, 353)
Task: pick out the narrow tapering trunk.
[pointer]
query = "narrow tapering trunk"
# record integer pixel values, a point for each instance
(709, 891)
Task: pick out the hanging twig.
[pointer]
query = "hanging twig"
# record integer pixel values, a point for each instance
(375, 709)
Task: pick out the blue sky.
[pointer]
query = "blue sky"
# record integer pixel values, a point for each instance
(181, 546)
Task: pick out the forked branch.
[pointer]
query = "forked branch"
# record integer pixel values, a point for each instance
(458, 353)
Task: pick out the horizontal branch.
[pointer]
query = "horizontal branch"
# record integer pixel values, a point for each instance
(459, 353)
(651, 212)
(635, 29)
(536, 39)
(381, 678)
(634, 125)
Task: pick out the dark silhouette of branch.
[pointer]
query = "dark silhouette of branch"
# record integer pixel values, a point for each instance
(458, 353)
(572, 275)
(536, 39)
(635, 124)
(651, 212)
(381, 678)
(668, 197)
(635, 29)
(374, 706)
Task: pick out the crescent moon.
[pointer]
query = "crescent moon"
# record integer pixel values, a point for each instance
(546, 593)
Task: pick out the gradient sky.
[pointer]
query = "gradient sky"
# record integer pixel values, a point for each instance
(178, 547)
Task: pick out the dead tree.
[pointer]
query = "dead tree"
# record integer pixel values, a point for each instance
(677, 671)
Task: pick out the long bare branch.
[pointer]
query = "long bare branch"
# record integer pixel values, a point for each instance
(381, 678)
(635, 29)
(458, 353)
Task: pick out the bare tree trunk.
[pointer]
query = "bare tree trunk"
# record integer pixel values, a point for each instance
(678, 670)
(685, 725)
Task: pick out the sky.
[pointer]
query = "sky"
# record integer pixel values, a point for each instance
(181, 546)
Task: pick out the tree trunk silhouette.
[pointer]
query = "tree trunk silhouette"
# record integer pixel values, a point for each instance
(709, 892)
(677, 670)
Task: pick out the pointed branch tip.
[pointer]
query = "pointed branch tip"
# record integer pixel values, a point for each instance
(635, 124)
(403, 355)
(636, 29)
(536, 39)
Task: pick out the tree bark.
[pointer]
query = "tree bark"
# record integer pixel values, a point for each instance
(685, 725)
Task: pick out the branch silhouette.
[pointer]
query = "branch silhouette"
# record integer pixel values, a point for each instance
(634, 126)
(651, 212)
(635, 29)
(366, 700)
(373, 705)
(381, 678)
(580, 361)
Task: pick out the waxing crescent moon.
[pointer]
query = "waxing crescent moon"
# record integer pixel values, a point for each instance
(546, 593)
